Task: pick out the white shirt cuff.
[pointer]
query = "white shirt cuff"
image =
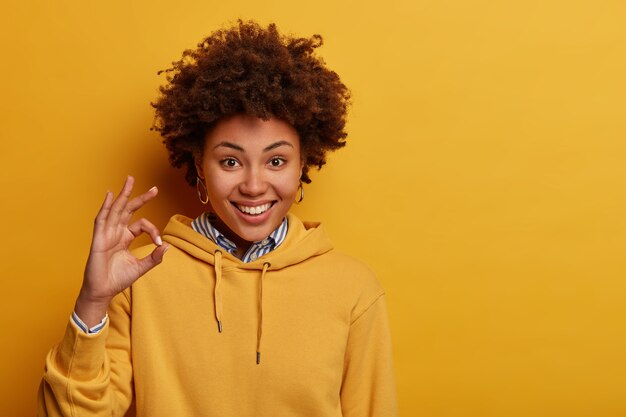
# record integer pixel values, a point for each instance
(83, 326)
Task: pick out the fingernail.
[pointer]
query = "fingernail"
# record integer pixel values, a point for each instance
(153, 188)
(159, 242)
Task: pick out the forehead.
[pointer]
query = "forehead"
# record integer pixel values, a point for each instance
(251, 132)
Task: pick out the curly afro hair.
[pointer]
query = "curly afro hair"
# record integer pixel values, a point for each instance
(248, 69)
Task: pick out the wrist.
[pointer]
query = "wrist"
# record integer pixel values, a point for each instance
(91, 311)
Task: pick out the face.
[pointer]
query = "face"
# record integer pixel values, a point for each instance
(252, 171)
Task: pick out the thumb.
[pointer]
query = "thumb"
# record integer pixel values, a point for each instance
(153, 259)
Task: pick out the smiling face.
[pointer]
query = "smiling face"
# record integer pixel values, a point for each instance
(252, 170)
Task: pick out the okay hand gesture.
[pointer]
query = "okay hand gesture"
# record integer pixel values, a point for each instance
(111, 268)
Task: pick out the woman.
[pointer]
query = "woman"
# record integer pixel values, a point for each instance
(251, 312)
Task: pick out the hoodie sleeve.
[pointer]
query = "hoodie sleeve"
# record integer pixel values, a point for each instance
(368, 388)
(90, 374)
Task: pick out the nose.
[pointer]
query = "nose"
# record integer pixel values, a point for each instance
(253, 183)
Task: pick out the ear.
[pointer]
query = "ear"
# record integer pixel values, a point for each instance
(198, 164)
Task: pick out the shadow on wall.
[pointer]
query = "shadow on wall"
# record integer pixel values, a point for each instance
(175, 196)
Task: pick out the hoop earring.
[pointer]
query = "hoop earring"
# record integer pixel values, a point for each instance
(201, 189)
(298, 201)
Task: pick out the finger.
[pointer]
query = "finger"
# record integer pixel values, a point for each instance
(100, 219)
(156, 256)
(119, 204)
(144, 226)
(138, 202)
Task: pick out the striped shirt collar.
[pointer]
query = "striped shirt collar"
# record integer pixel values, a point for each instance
(202, 225)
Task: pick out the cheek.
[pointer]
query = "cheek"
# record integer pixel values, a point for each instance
(217, 187)
(287, 186)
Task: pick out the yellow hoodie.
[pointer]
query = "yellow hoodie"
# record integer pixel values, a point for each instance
(303, 333)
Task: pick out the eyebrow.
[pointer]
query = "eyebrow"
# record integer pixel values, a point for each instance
(266, 149)
(276, 145)
(229, 145)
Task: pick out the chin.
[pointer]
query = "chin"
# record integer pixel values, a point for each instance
(256, 235)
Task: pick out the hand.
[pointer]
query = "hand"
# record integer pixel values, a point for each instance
(111, 268)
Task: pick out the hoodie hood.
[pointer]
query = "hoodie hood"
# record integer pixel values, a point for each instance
(303, 241)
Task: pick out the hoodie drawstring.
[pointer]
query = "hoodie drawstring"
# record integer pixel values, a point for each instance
(217, 293)
(266, 266)
(217, 297)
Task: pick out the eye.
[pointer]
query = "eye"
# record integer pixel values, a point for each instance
(229, 163)
(276, 162)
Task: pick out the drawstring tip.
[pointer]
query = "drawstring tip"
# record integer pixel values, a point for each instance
(258, 358)
(219, 326)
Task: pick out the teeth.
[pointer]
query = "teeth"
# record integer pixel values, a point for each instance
(254, 210)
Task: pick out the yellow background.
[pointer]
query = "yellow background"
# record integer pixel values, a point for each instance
(484, 181)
